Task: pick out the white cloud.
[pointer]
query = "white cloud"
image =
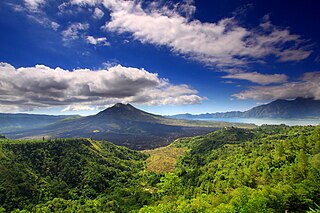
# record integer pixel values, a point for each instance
(42, 86)
(259, 78)
(54, 25)
(73, 32)
(97, 41)
(110, 63)
(40, 18)
(85, 2)
(33, 5)
(78, 108)
(32, 9)
(187, 8)
(97, 14)
(224, 43)
(307, 87)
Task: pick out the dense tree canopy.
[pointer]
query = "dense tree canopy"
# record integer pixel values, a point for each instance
(268, 169)
(68, 173)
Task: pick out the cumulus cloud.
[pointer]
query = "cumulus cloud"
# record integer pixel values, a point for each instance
(97, 41)
(97, 14)
(42, 86)
(307, 87)
(224, 43)
(259, 78)
(73, 32)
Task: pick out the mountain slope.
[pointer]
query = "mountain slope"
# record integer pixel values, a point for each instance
(297, 108)
(125, 125)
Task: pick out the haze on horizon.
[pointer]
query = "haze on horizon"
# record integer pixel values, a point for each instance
(164, 57)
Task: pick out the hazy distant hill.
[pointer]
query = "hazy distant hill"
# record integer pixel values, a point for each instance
(13, 122)
(298, 108)
(125, 125)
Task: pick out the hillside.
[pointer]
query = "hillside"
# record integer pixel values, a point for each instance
(297, 108)
(125, 125)
(68, 172)
(268, 169)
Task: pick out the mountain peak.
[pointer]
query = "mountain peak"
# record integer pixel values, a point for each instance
(127, 112)
(119, 107)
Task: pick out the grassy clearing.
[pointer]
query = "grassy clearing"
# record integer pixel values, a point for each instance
(163, 159)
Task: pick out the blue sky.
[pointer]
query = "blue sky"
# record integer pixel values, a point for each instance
(166, 57)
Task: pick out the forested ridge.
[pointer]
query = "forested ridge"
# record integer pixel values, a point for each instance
(69, 174)
(267, 169)
(271, 169)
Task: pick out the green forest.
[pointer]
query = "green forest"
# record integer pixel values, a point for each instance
(266, 169)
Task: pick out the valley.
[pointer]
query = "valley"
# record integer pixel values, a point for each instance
(123, 125)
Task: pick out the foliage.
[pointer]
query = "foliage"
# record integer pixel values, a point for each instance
(267, 169)
(63, 173)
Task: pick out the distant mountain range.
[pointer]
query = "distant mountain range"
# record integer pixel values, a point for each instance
(297, 108)
(14, 122)
(126, 125)
(121, 124)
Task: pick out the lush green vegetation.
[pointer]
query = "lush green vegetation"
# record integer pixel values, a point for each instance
(271, 169)
(268, 169)
(70, 174)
